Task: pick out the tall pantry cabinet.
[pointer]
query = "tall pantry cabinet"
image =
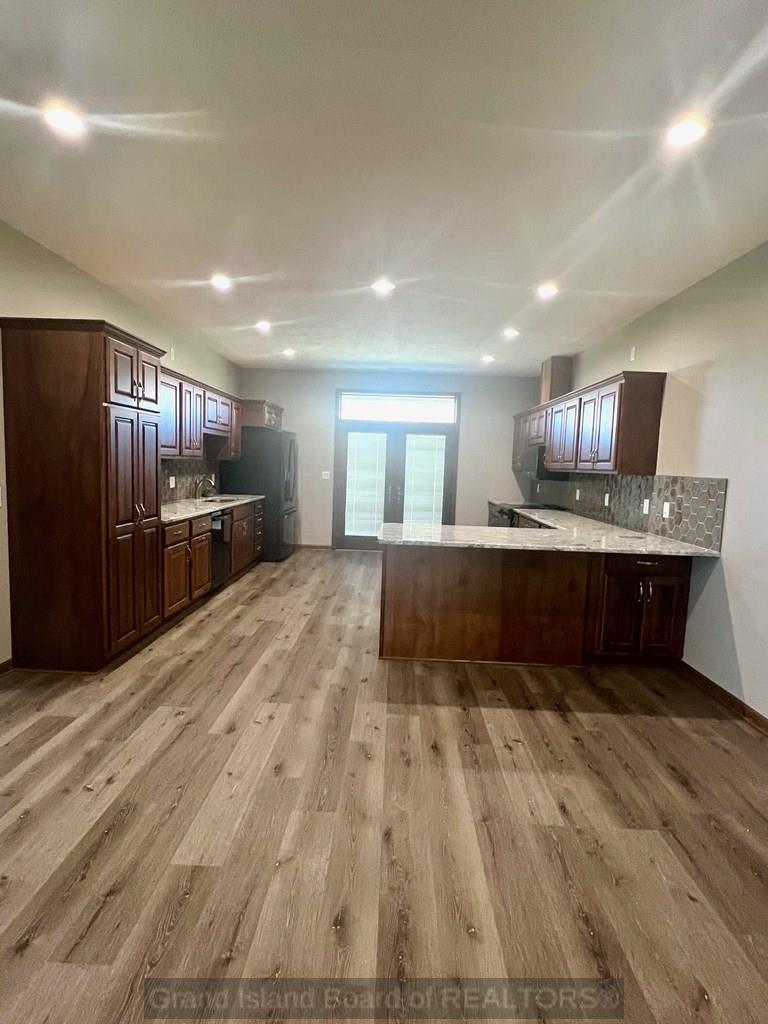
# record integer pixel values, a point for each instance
(82, 404)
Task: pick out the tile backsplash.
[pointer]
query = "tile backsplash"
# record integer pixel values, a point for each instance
(186, 471)
(696, 505)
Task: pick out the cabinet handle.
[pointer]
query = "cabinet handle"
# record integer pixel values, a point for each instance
(137, 510)
(650, 590)
(641, 562)
(189, 553)
(641, 593)
(143, 510)
(134, 388)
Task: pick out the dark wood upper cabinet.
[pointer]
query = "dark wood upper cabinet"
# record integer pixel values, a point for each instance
(149, 381)
(170, 416)
(149, 468)
(218, 413)
(122, 372)
(259, 413)
(191, 420)
(612, 427)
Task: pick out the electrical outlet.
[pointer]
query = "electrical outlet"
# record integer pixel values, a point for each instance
(173, 353)
(326, 474)
(632, 353)
(538, 488)
(666, 510)
(172, 482)
(606, 500)
(213, 477)
(578, 494)
(646, 506)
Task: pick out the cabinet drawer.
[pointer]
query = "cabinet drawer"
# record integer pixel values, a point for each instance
(202, 525)
(649, 565)
(242, 512)
(176, 533)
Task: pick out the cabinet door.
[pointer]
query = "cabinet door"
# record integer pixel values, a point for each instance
(235, 432)
(606, 433)
(554, 450)
(621, 614)
(242, 544)
(176, 595)
(537, 427)
(569, 434)
(170, 416)
(586, 443)
(149, 468)
(664, 613)
(202, 550)
(212, 415)
(148, 577)
(191, 420)
(225, 413)
(149, 381)
(122, 373)
(123, 516)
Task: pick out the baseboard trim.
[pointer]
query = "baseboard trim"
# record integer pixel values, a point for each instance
(6, 666)
(730, 700)
(314, 547)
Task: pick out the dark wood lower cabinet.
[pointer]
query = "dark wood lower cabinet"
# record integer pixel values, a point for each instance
(639, 607)
(124, 620)
(242, 543)
(176, 578)
(200, 565)
(150, 607)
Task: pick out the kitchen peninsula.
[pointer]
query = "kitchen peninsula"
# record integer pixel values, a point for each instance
(562, 591)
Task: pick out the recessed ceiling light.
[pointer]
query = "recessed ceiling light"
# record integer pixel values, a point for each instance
(489, 359)
(263, 326)
(547, 290)
(687, 131)
(221, 282)
(289, 353)
(510, 332)
(383, 287)
(64, 119)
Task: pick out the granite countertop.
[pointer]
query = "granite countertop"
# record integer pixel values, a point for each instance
(568, 532)
(191, 508)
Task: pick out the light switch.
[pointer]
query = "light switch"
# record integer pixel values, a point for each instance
(606, 499)
(172, 482)
(646, 506)
(213, 477)
(173, 353)
(578, 494)
(665, 510)
(326, 474)
(632, 354)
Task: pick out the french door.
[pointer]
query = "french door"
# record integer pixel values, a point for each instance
(391, 473)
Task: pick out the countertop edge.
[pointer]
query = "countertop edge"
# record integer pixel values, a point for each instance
(197, 508)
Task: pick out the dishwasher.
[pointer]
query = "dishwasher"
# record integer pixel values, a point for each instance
(222, 547)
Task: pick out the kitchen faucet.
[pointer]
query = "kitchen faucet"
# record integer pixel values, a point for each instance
(200, 483)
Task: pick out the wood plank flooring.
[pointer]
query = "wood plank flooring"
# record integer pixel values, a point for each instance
(256, 794)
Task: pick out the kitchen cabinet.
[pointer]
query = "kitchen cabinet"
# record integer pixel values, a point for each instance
(262, 414)
(170, 416)
(243, 531)
(609, 427)
(519, 442)
(176, 578)
(598, 440)
(233, 447)
(258, 531)
(217, 413)
(562, 427)
(537, 426)
(201, 548)
(640, 607)
(133, 375)
(134, 526)
(191, 420)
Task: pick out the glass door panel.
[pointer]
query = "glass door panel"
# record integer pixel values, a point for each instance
(366, 483)
(424, 479)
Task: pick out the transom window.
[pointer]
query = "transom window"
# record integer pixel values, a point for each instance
(392, 408)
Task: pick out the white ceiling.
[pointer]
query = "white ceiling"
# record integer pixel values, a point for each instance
(466, 148)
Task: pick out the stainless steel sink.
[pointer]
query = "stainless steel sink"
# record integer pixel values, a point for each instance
(222, 497)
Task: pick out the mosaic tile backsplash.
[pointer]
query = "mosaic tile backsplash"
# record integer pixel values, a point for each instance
(186, 471)
(697, 504)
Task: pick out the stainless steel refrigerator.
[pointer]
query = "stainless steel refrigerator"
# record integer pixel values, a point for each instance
(267, 465)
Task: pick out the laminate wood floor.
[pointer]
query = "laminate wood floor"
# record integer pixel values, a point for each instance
(256, 794)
